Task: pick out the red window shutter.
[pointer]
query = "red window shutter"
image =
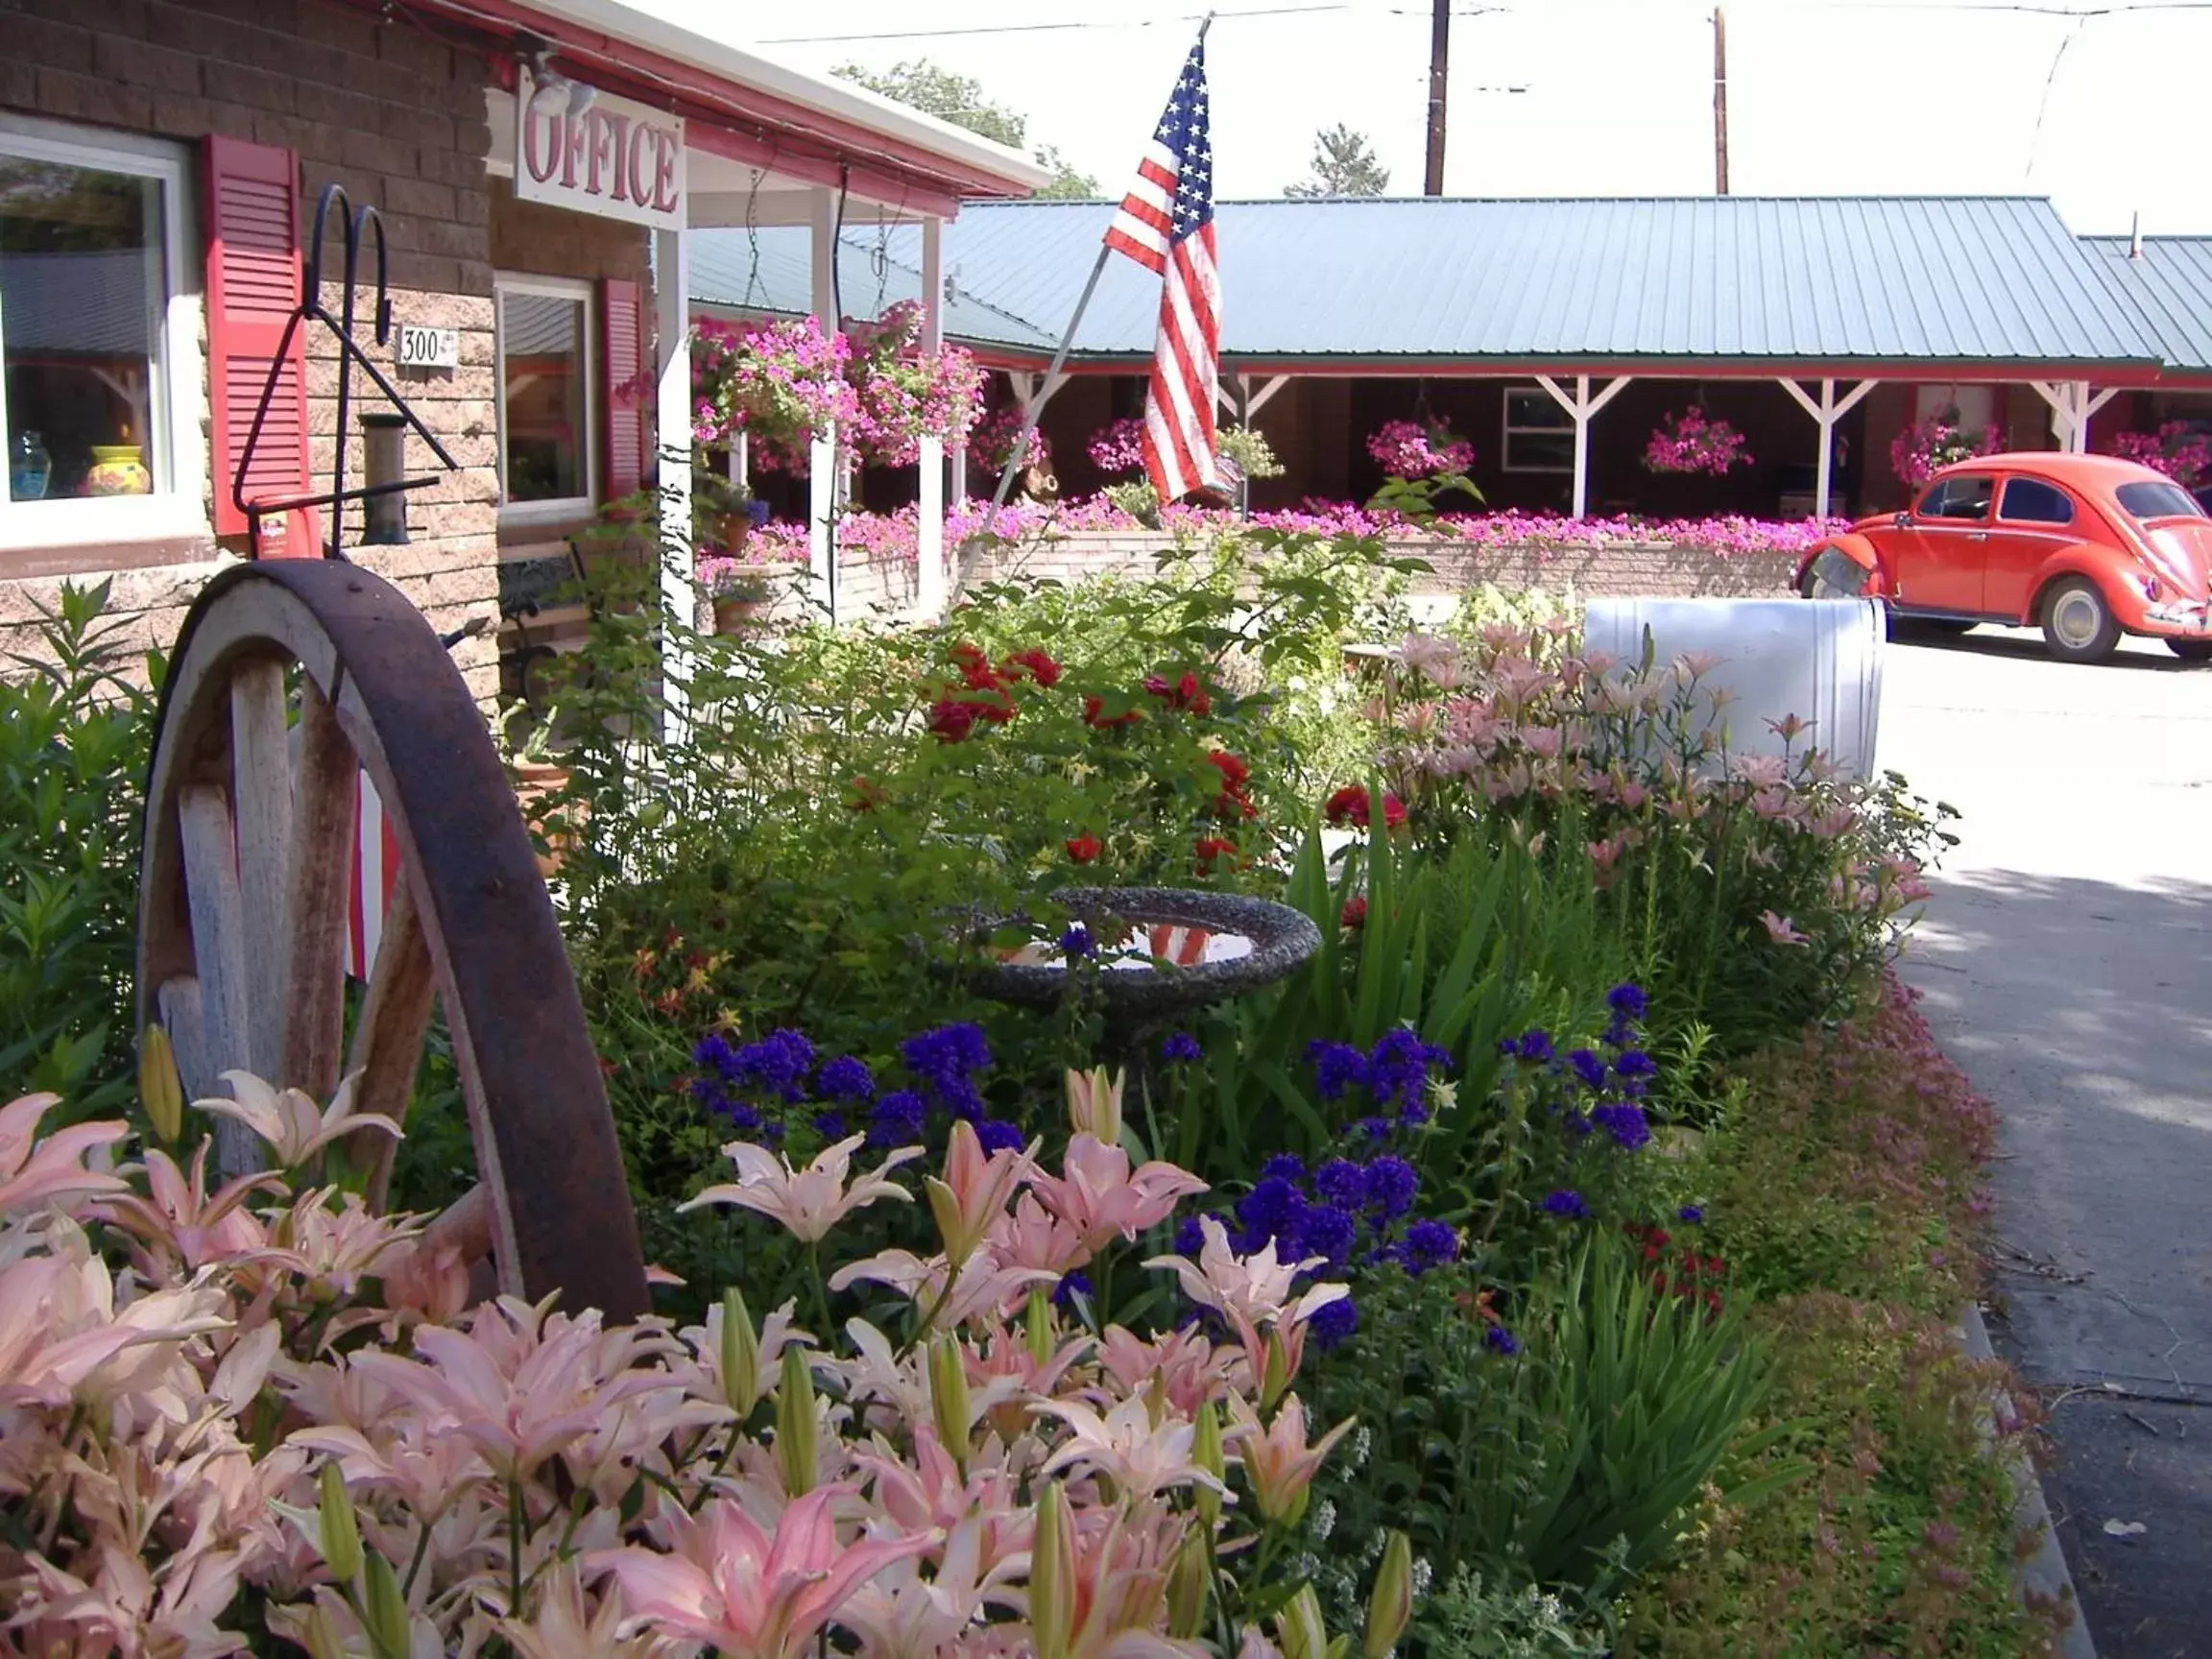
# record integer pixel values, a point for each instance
(628, 397)
(252, 293)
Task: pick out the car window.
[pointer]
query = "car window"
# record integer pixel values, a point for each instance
(1958, 498)
(2031, 502)
(2159, 500)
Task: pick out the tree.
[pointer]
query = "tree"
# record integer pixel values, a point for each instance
(1344, 164)
(936, 91)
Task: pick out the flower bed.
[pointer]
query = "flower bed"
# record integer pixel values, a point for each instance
(1556, 1262)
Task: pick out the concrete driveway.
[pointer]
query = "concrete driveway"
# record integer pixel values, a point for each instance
(2067, 964)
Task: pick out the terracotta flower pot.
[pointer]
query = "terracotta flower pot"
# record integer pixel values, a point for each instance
(535, 785)
(733, 615)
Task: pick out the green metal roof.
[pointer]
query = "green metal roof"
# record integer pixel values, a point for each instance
(1848, 281)
(2170, 286)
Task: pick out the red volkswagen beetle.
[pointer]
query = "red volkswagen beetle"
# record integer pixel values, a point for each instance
(2086, 547)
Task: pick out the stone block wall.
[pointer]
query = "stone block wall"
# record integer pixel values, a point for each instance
(372, 102)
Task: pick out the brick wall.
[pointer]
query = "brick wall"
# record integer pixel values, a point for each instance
(1613, 570)
(375, 105)
(542, 241)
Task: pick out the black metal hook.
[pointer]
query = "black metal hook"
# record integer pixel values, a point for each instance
(356, 224)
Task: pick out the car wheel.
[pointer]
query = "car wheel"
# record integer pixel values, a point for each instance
(2191, 650)
(2078, 625)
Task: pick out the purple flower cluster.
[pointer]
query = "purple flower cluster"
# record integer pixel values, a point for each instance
(1180, 1049)
(1342, 1213)
(1394, 1075)
(755, 1085)
(1602, 1088)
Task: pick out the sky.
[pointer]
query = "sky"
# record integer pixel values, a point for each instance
(2100, 105)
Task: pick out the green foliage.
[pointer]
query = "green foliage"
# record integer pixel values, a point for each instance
(1344, 164)
(74, 736)
(959, 99)
(1474, 1618)
(1571, 1463)
(1249, 448)
(1903, 1541)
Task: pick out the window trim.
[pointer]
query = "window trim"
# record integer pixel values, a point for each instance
(178, 509)
(1508, 428)
(567, 507)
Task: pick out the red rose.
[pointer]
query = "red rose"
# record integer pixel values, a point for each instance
(970, 657)
(1234, 773)
(1085, 848)
(950, 719)
(1211, 850)
(1350, 804)
(866, 796)
(1354, 916)
(1041, 668)
(1095, 715)
(1188, 693)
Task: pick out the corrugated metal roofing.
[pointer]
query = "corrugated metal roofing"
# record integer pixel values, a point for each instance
(770, 270)
(1800, 280)
(2171, 288)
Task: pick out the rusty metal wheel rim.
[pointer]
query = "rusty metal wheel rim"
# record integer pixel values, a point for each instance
(247, 981)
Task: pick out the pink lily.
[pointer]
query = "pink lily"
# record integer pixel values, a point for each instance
(749, 1593)
(1142, 1457)
(811, 1201)
(981, 1286)
(1256, 1287)
(1189, 1367)
(176, 1222)
(967, 1203)
(1100, 1198)
(33, 1170)
(295, 1128)
(1032, 1237)
(1277, 1460)
(1779, 929)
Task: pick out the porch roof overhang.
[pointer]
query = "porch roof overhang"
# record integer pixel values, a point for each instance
(780, 130)
(2168, 283)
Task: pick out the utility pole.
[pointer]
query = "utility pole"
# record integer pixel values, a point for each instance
(1720, 102)
(1439, 57)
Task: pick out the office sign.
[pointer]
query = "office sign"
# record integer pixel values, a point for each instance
(610, 156)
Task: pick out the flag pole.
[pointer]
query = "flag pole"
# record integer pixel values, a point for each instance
(1048, 385)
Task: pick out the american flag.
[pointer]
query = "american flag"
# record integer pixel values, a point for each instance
(1167, 225)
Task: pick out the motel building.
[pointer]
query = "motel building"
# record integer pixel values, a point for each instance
(1555, 335)
(540, 174)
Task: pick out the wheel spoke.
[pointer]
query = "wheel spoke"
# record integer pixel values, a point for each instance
(321, 861)
(261, 796)
(177, 1003)
(394, 1020)
(219, 952)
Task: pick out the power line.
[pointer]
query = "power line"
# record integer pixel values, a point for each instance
(1080, 23)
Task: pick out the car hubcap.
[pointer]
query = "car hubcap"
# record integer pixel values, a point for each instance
(2075, 618)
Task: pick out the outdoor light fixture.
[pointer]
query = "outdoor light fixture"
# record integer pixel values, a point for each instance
(547, 83)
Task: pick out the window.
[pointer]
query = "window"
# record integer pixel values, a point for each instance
(2031, 502)
(99, 379)
(1539, 434)
(547, 458)
(2147, 502)
(1963, 498)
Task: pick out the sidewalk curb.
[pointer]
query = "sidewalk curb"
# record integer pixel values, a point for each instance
(2044, 1573)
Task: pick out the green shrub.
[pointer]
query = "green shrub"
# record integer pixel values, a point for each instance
(74, 736)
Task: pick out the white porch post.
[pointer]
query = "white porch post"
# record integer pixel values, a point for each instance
(1826, 413)
(929, 579)
(2071, 406)
(672, 428)
(1582, 405)
(824, 470)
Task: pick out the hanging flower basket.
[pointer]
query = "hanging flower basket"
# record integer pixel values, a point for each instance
(1926, 448)
(2177, 449)
(778, 383)
(1118, 447)
(991, 442)
(902, 394)
(1694, 442)
(1418, 449)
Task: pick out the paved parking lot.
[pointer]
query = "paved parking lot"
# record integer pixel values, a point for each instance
(2067, 963)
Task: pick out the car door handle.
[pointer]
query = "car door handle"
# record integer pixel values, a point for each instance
(1977, 535)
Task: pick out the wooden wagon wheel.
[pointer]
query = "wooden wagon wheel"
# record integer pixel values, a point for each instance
(246, 881)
